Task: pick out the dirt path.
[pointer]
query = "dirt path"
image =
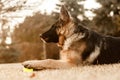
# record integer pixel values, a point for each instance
(105, 72)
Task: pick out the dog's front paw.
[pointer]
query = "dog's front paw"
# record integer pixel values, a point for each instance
(34, 64)
(28, 64)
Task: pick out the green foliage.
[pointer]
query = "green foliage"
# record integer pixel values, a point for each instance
(8, 55)
(106, 16)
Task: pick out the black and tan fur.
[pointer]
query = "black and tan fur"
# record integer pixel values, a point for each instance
(79, 45)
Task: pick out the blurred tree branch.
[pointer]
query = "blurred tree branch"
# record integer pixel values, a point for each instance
(107, 16)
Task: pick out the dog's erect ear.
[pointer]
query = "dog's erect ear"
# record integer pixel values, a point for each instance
(64, 14)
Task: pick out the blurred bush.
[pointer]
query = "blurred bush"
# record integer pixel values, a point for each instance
(27, 41)
(8, 55)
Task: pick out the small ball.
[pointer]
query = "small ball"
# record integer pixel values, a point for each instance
(27, 70)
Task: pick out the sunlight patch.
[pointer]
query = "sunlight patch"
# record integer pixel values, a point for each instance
(8, 40)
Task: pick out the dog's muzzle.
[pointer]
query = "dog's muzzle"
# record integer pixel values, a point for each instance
(43, 39)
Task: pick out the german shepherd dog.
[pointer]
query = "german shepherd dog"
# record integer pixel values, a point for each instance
(79, 45)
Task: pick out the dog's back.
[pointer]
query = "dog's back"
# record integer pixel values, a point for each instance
(110, 51)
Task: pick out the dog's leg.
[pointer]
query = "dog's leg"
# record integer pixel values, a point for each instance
(47, 64)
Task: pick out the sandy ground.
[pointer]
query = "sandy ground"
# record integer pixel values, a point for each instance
(104, 72)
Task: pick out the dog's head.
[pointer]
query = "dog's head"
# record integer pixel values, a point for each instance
(63, 28)
(57, 31)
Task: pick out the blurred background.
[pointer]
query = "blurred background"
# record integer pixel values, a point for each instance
(21, 22)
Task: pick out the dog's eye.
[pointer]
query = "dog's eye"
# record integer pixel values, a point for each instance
(61, 23)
